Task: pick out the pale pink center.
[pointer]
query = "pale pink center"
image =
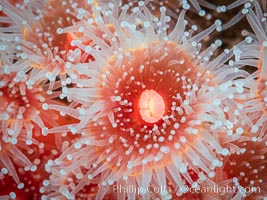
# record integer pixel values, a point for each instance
(151, 106)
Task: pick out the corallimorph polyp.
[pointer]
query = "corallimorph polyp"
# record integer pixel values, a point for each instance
(247, 170)
(258, 48)
(22, 103)
(127, 138)
(38, 37)
(22, 119)
(244, 174)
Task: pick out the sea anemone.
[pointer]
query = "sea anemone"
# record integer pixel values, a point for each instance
(29, 177)
(258, 49)
(24, 161)
(22, 119)
(151, 106)
(243, 174)
(22, 106)
(252, 54)
(36, 41)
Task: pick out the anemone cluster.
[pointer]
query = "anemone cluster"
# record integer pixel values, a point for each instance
(121, 99)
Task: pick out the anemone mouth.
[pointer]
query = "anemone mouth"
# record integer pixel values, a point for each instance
(151, 106)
